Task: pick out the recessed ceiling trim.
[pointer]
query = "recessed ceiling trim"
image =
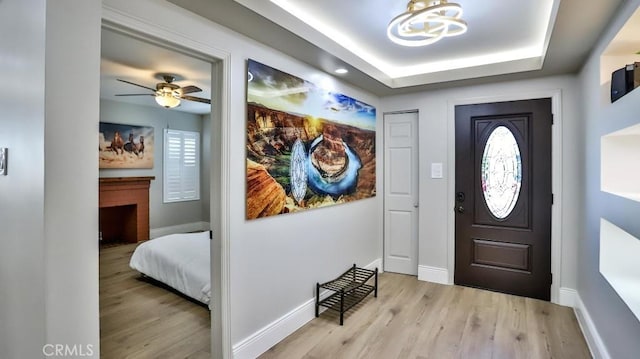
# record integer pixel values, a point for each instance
(331, 40)
(295, 17)
(548, 30)
(493, 69)
(467, 62)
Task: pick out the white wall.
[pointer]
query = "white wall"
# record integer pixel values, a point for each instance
(434, 107)
(275, 262)
(160, 214)
(616, 325)
(22, 269)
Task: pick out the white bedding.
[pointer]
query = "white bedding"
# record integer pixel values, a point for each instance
(180, 261)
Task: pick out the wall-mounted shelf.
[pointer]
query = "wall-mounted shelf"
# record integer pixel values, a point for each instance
(621, 51)
(619, 169)
(619, 254)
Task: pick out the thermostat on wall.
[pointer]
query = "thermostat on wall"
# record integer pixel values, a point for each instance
(3, 161)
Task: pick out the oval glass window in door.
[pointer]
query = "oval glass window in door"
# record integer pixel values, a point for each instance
(501, 172)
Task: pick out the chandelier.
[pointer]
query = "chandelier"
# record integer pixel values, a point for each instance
(426, 22)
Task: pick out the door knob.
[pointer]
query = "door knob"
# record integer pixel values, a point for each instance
(416, 205)
(460, 209)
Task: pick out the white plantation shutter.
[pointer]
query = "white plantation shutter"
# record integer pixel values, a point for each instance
(181, 166)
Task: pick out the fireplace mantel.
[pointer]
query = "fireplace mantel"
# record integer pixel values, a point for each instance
(124, 208)
(113, 180)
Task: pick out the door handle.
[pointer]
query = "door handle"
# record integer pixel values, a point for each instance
(416, 205)
(460, 209)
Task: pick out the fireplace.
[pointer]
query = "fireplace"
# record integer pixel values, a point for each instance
(124, 209)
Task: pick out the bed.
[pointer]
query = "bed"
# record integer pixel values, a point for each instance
(180, 261)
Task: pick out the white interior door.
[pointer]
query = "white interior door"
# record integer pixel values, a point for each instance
(401, 193)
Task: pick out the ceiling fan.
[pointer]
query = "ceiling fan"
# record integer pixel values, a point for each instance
(168, 94)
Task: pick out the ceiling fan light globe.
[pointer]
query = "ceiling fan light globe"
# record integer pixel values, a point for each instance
(170, 95)
(167, 100)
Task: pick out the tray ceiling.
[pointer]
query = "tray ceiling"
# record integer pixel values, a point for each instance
(507, 40)
(503, 37)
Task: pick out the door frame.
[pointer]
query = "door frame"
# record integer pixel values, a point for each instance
(221, 346)
(556, 177)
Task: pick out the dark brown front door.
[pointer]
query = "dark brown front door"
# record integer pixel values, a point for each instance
(503, 197)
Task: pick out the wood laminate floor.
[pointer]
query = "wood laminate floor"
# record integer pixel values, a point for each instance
(414, 319)
(139, 319)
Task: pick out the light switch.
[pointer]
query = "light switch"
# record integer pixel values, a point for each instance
(436, 170)
(3, 161)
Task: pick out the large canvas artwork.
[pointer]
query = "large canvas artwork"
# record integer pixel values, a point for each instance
(306, 147)
(125, 146)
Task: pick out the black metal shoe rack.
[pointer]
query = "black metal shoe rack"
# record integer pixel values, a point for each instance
(349, 289)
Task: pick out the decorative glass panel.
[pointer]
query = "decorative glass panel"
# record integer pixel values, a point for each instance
(501, 171)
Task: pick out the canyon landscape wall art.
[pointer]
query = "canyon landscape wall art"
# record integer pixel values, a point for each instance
(306, 147)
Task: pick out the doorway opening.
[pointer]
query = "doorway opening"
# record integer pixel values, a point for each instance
(141, 315)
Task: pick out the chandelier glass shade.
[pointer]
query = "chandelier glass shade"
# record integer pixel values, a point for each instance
(166, 97)
(426, 22)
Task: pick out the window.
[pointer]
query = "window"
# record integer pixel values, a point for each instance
(181, 176)
(501, 172)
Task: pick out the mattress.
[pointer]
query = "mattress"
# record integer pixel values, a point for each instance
(181, 261)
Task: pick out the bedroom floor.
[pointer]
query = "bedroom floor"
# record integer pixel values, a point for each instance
(414, 319)
(140, 319)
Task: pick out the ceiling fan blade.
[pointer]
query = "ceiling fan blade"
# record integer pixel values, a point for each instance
(196, 99)
(136, 94)
(190, 89)
(135, 84)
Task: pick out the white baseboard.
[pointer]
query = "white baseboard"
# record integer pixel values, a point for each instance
(375, 264)
(433, 274)
(270, 335)
(180, 228)
(591, 335)
(567, 297)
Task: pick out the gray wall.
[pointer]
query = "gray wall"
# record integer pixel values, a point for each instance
(71, 200)
(434, 107)
(22, 281)
(48, 216)
(275, 261)
(161, 214)
(616, 324)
